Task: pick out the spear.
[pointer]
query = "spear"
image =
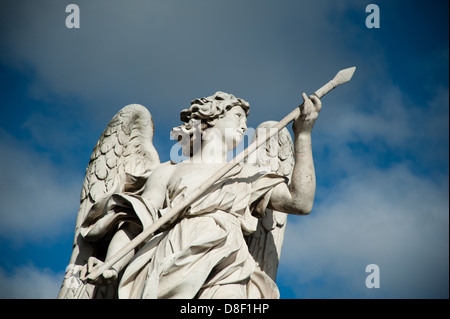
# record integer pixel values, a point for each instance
(341, 77)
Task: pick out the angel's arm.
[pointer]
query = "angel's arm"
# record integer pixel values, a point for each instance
(298, 197)
(121, 237)
(154, 193)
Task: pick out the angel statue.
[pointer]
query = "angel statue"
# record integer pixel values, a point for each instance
(225, 244)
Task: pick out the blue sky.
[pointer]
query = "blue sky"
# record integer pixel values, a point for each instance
(380, 144)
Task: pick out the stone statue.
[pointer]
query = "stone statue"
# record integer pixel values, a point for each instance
(224, 244)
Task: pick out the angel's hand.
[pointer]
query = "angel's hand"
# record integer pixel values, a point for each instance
(107, 276)
(308, 114)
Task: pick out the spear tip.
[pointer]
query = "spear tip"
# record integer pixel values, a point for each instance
(343, 76)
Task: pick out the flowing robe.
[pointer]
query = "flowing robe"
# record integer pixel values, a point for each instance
(201, 254)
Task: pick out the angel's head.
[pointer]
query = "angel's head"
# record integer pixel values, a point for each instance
(223, 112)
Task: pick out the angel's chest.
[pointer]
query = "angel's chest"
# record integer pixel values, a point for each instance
(186, 180)
(192, 175)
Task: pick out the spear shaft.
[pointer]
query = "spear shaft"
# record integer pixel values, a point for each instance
(341, 77)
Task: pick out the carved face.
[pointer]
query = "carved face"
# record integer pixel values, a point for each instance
(232, 126)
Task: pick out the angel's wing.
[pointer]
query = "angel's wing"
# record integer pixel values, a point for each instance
(124, 149)
(276, 156)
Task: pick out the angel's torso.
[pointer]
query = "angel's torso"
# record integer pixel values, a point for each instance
(197, 172)
(231, 193)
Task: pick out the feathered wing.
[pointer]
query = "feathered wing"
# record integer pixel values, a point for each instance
(125, 149)
(276, 156)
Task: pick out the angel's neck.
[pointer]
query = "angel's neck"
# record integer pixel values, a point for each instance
(211, 151)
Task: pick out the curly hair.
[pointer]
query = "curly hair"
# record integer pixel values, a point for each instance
(202, 114)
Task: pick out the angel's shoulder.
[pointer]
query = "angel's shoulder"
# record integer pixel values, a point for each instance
(157, 182)
(162, 173)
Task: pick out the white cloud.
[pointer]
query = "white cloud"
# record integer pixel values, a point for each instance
(349, 138)
(37, 198)
(383, 116)
(146, 52)
(396, 217)
(390, 218)
(29, 282)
